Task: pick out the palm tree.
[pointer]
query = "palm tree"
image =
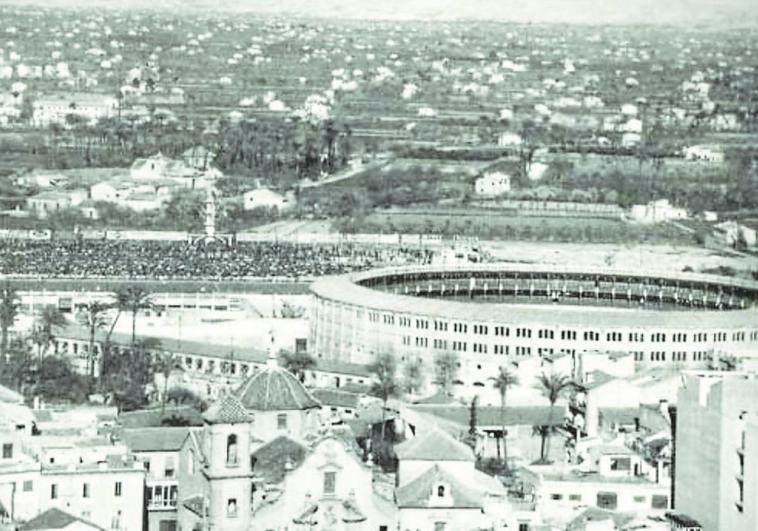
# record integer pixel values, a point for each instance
(48, 320)
(93, 317)
(297, 363)
(385, 386)
(163, 362)
(132, 299)
(502, 382)
(552, 387)
(9, 304)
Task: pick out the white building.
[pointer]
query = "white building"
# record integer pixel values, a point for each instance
(266, 198)
(704, 153)
(657, 211)
(89, 107)
(494, 183)
(46, 203)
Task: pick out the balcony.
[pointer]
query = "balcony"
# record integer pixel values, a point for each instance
(161, 504)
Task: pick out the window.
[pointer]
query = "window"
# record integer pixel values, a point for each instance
(639, 499)
(440, 491)
(147, 464)
(7, 451)
(231, 508)
(440, 526)
(170, 467)
(54, 491)
(330, 479)
(28, 485)
(523, 526)
(281, 421)
(659, 501)
(117, 489)
(231, 450)
(621, 463)
(85, 490)
(575, 497)
(556, 496)
(607, 500)
(116, 520)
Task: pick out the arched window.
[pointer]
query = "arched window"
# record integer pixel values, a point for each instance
(231, 450)
(440, 491)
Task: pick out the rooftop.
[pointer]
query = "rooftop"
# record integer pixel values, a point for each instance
(433, 445)
(227, 410)
(273, 459)
(275, 389)
(55, 519)
(164, 439)
(419, 492)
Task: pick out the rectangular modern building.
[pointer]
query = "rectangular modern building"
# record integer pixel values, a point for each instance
(716, 474)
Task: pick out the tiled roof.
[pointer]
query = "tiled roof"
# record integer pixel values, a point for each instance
(332, 397)
(195, 505)
(593, 514)
(144, 418)
(227, 410)
(490, 415)
(164, 439)
(433, 445)
(271, 459)
(619, 415)
(275, 389)
(417, 493)
(54, 519)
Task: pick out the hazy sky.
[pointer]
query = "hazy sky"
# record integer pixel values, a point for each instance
(743, 12)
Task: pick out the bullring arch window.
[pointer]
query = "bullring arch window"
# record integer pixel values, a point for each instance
(231, 450)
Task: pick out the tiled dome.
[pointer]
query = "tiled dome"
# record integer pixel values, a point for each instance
(275, 389)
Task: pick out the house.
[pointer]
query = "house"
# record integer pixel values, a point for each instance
(329, 488)
(657, 211)
(733, 234)
(439, 488)
(596, 391)
(492, 184)
(160, 166)
(45, 203)
(266, 198)
(55, 519)
(56, 108)
(158, 449)
(337, 405)
(704, 153)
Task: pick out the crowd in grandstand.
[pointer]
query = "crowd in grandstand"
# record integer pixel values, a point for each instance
(183, 260)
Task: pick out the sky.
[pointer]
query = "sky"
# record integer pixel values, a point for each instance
(742, 12)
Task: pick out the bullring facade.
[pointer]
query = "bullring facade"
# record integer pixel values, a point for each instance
(489, 313)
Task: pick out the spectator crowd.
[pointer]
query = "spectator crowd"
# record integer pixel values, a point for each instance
(183, 260)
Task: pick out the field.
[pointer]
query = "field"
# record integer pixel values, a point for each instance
(489, 224)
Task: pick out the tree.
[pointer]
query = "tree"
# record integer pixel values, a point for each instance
(553, 387)
(412, 375)
(385, 386)
(446, 370)
(297, 363)
(9, 304)
(93, 317)
(502, 382)
(56, 381)
(47, 321)
(132, 299)
(164, 363)
(125, 375)
(473, 412)
(17, 370)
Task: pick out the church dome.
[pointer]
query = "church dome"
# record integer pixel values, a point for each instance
(275, 389)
